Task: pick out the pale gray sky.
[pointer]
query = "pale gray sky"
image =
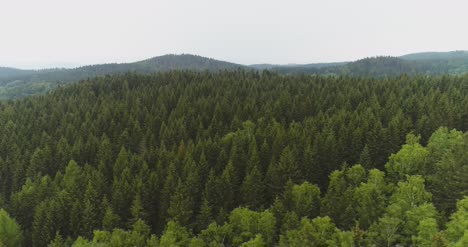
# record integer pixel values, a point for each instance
(68, 32)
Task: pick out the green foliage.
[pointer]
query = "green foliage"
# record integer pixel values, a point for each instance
(338, 201)
(215, 235)
(10, 231)
(306, 200)
(409, 194)
(370, 198)
(410, 160)
(427, 230)
(233, 158)
(256, 242)
(246, 224)
(110, 220)
(386, 231)
(317, 232)
(458, 224)
(409, 206)
(175, 235)
(448, 179)
(253, 189)
(180, 209)
(426, 63)
(15, 83)
(58, 241)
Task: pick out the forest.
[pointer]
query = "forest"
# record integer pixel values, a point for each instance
(424, 63)
(20, 83)
(237, 158)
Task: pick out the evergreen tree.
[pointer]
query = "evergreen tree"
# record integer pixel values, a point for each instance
(110, 220)
(10, 231)
(253, 189)
(180, 208)
(205, 217)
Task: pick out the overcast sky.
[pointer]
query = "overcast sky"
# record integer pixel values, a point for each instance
(47, 33)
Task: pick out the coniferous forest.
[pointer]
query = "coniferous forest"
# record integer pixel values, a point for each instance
(237, 158)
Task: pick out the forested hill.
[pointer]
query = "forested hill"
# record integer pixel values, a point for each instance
(427, 63)
(153, 65)
(12, 72)
(452, 55)
(16, 83)
(233, 158)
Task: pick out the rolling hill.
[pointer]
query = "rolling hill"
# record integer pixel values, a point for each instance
(12, 72)
(16, 83)
(451, 55)
(425, 63)
(156, 64)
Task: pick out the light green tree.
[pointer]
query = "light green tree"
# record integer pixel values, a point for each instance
(306, 200)
(10, 231)
(427, 229)
(370, 198)
(312, 233)
(458, 223)
(175, 235)
(410, 160)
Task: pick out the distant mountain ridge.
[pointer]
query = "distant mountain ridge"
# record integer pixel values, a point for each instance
(311, 65)
(6, 72)
(451, 55)
(16, 83)
(425, 63)
(152, 65)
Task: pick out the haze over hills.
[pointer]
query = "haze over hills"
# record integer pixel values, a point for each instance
(156, 64)
(424, 63)
(16, 83)
(6, 72)
(451, 55)
(311, 65)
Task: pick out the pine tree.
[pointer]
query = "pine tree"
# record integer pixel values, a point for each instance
(365, 158)
(121, 163)
(58, 241)
(180, 207)
(205, 217)
(252, 189)
(228, 183)
(137, 210)
(170, 184)
(104, 159)
(90, 217)
(254, 157)
(123, 194)
(110, 220)
(10, 231)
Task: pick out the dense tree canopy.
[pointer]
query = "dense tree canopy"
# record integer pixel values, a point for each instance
(237, 159)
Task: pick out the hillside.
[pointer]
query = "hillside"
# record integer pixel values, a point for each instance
(292, 66)
(18, 83)
(233, 158)
(427, 63)
(12, 72)
(156, 64)
(368, 67)
(452, 55)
